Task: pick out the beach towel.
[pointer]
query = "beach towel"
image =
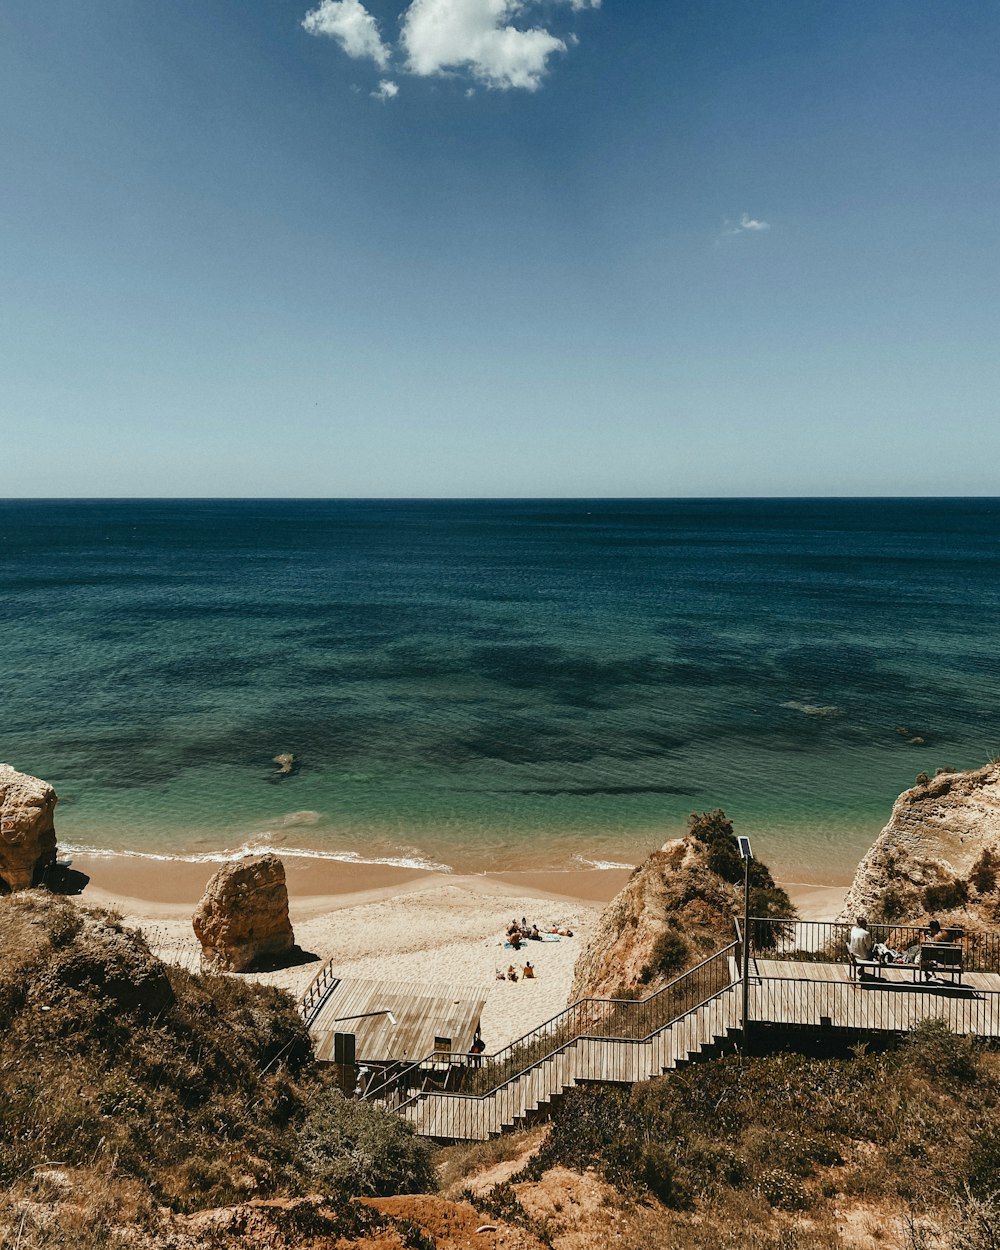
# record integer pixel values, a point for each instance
(550, 937)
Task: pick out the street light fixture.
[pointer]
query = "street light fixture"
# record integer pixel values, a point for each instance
(746, 854)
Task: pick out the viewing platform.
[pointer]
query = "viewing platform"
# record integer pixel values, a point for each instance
(800, 984)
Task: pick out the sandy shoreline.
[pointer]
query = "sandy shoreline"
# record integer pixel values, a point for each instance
(398, 924)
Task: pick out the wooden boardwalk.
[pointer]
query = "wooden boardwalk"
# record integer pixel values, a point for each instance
(813, 997)
(823, 996)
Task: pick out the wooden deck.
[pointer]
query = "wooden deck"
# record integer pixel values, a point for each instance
(823, 996)
(398, 1019)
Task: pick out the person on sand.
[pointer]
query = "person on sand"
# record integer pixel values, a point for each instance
(859, 944)
(511, 973)
(534, 934)
(528, 971)
(477, 1048)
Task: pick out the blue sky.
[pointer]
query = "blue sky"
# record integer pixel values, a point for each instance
(235, 263)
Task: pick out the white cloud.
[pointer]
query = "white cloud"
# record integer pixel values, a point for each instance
(477, 35)
(491, 40)
(386, 90)
(745, 225)
(353, 27)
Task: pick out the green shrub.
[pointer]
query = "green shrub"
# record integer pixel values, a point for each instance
(983, 877)
(354, 1149)
(201, 1089)
(668, 957)
(983, 1169)
(933, 1050)
(897, 901)
(946, 895)
(782, 1190)
(715, 830)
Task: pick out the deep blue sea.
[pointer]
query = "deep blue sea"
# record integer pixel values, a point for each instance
(495, 684)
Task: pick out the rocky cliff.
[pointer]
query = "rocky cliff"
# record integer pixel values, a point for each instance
(675, 910)
(939, 853)
(27, 831)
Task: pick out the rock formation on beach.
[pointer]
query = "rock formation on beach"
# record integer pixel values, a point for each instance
(939, 853)
(676, 909)
(242, 919)
(27, 831)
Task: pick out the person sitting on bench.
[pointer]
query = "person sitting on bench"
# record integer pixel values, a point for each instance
(859, 944)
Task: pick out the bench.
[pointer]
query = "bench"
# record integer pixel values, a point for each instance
(933, 959)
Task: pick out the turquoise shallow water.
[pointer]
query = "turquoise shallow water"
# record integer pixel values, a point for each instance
(495, 684)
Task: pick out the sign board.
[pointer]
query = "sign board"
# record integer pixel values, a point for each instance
(8, 824)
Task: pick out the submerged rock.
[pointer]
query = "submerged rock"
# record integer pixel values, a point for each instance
(242, 919)
(27, 829)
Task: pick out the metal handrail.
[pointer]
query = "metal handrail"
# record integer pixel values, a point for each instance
(823, 941)
(537, 1063)
(317, 992)
(485, 1062)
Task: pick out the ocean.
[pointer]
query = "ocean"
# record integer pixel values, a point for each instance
(495, 684)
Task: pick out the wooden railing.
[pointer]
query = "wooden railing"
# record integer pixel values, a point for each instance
(876, 1007)
(320, 987)
(826, 942)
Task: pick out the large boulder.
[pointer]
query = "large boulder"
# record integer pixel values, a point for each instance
(939, 853)
(27, 831)
(242, 920)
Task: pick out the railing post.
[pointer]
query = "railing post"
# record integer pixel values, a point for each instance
(746, 943)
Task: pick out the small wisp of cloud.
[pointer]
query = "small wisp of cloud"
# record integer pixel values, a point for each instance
(386, 90)
(745, 225)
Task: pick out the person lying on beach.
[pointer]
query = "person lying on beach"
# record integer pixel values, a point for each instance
(562, 932)
(511, 973)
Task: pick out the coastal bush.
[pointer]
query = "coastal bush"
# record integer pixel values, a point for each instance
(354, 1149)
(908, 1124)
(202, 1090)
(668, 956)
(983, 877)
(715, 831)
(946, 894)
(896, 902)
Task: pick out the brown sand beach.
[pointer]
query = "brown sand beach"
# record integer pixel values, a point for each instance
(401, 924)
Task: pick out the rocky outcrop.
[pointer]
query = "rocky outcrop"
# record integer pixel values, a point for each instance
(242, 920)
(672, 890)
(939, 853)
(27, 831)
(676, 909)
(78, 961)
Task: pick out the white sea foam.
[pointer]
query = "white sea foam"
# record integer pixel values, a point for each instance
(602, 864)
(251, 849)
(813, 709)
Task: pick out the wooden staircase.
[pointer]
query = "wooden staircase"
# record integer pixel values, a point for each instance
(699, 1032)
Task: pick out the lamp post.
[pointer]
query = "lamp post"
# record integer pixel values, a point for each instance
(746, 854)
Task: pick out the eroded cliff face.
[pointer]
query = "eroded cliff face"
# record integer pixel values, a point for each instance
(672, 892)
(27, 829)
(939, 853)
